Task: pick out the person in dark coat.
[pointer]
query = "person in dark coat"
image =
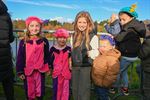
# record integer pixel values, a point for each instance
(128, 43)
(144, 55)
(6, 37)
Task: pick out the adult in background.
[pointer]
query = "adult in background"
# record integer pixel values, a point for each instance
(6, 37)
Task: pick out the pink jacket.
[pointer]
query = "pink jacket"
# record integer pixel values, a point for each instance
(35, 58)
(61, 64)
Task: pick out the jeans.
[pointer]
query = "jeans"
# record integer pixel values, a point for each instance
(102, 93)
(123, 75)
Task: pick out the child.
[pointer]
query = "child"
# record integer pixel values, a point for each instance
(128, 42)
(81, 79)
(113, 27)
(105, 67)
(144, 54)
(32, 60)
(60, 55)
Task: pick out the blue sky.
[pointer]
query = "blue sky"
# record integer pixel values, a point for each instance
(66, 10)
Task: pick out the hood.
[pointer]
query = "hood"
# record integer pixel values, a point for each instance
(137, 26)
(3, 8)
(113, 52)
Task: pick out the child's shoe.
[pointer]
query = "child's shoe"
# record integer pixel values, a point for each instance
(125, 91)
(112, 90)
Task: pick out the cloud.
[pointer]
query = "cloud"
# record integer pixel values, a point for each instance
(112, 1)
(110, 9)
(62, 19)
(107, 1)
(58, 5)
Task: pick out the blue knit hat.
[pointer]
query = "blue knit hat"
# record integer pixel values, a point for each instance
(130, 10)
(109, 38)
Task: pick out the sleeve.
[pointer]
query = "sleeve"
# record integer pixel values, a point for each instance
(144, 51)
(114, 28)
(141, 29)
(51, 57)
(69, 52)
(20, 58)
(11, 36)
(94, 43)
(122, 34)
(46, 51)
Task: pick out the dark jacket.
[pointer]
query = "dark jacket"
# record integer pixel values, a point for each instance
(79, 54)
(128, 40)
(144, 54)
(6, 37)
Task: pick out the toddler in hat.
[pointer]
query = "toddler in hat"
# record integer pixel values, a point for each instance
(60, 61)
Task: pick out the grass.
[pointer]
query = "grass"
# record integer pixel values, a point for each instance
(134, 84)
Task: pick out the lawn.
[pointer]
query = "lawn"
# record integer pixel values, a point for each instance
(134, 86)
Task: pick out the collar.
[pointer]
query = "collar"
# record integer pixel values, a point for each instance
(39, 41)
(58, 51)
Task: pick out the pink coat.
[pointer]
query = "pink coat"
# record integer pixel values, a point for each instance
(35, 58)
(61, 65)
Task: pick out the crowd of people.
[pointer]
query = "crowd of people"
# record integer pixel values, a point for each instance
(100, 60)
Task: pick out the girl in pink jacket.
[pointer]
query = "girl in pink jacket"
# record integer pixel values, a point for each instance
(32, 59)
(60, 62)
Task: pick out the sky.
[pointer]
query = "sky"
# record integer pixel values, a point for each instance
(66, 10)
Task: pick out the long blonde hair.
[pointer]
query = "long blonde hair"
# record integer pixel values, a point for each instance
(78, 34)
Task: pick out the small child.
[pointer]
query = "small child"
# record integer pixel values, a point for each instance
(32, 60)
(128, 43)
(105, 67)
(60, 61)
(113, 27)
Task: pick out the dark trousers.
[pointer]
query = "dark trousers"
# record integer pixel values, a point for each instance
(101, 93)
(8, 84)
(146, 85)
(81, 83)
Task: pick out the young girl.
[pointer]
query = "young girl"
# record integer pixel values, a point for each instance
(32, 60)
(61, 65)
(81, 83)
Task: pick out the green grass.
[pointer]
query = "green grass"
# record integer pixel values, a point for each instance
(134, 84)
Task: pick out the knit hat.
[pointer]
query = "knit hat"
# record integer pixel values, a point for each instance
(61, 33)
(32, 18)
(130, 10)
(109, 38)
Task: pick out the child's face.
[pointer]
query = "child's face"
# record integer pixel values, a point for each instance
(34, 28)
(61, 41)
(105, 45)
(124, 18)
(82, 24)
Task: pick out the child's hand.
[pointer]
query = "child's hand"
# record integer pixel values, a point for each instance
(22, 77)
(70, 63)
(48, 73)
(70, 67)
(113, 18)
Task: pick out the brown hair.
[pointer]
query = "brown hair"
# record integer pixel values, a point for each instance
(78, 34)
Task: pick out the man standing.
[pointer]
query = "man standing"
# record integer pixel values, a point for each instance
(6, 37)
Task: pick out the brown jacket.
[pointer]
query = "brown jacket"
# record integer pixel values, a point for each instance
(106, 68)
